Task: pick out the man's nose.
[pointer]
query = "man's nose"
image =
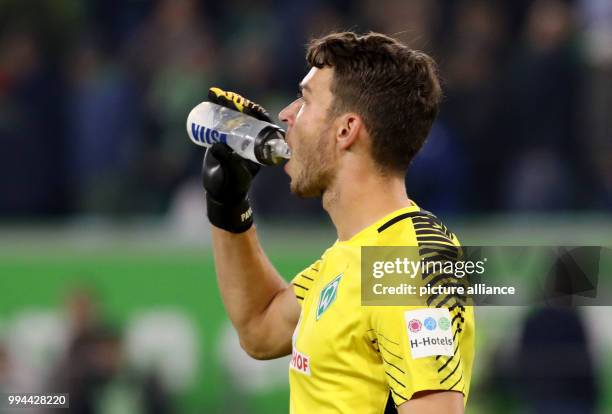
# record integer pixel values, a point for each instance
(286, 115)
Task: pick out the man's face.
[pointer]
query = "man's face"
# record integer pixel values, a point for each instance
(310, 135)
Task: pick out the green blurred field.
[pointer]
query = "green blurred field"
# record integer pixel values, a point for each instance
(137, 271)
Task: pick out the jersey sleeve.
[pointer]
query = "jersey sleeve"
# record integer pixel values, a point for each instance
(303, 281)
(423, 348)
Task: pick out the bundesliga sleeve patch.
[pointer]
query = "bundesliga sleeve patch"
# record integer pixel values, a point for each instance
(429, 332)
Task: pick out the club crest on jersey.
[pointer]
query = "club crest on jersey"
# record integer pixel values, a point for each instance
(328, 295)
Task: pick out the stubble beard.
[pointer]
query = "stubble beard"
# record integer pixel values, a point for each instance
(316, 171)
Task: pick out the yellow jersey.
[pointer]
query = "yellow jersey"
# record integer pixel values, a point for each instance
(349, 358)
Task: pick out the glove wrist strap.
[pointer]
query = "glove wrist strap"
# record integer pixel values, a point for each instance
(236, 218)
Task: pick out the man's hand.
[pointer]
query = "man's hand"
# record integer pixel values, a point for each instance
(226, 176)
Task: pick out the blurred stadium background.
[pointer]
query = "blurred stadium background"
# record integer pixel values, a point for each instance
(106, 276)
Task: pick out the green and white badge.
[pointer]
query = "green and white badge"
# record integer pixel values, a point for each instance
(328, 295)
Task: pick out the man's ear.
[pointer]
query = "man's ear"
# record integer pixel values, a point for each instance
(349, 127)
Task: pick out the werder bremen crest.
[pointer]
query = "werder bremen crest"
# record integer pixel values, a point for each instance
(328, 295)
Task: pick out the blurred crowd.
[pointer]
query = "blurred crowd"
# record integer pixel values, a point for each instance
(94, 96)
(76, 352)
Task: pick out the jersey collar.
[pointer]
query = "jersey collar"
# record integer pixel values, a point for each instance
(371, 232)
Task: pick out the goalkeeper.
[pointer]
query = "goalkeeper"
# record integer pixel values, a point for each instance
(363, 112)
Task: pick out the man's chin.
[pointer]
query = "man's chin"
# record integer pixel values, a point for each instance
(295, 189)
(303, 191)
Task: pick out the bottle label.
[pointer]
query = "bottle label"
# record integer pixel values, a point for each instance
(207, 136)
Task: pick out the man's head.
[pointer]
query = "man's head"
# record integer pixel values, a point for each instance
(365, 94)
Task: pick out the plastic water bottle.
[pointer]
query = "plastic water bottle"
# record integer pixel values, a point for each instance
(255, 140)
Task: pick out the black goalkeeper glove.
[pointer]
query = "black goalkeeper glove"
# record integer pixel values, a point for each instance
(238, 103)
(226, 176)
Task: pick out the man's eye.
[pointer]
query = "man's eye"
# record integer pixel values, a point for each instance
(299, 95)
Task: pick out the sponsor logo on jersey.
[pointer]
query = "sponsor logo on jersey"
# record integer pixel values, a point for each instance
(444, 323)
(414, 325)
(300, 362)
(430, 324)
(328, 296)
(436, 338)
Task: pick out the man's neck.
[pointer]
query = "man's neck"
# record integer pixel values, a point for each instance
(356, 201)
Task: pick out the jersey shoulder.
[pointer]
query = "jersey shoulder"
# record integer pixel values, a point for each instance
(415, 228)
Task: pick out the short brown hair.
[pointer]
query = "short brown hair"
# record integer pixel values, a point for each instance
(395, 89)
